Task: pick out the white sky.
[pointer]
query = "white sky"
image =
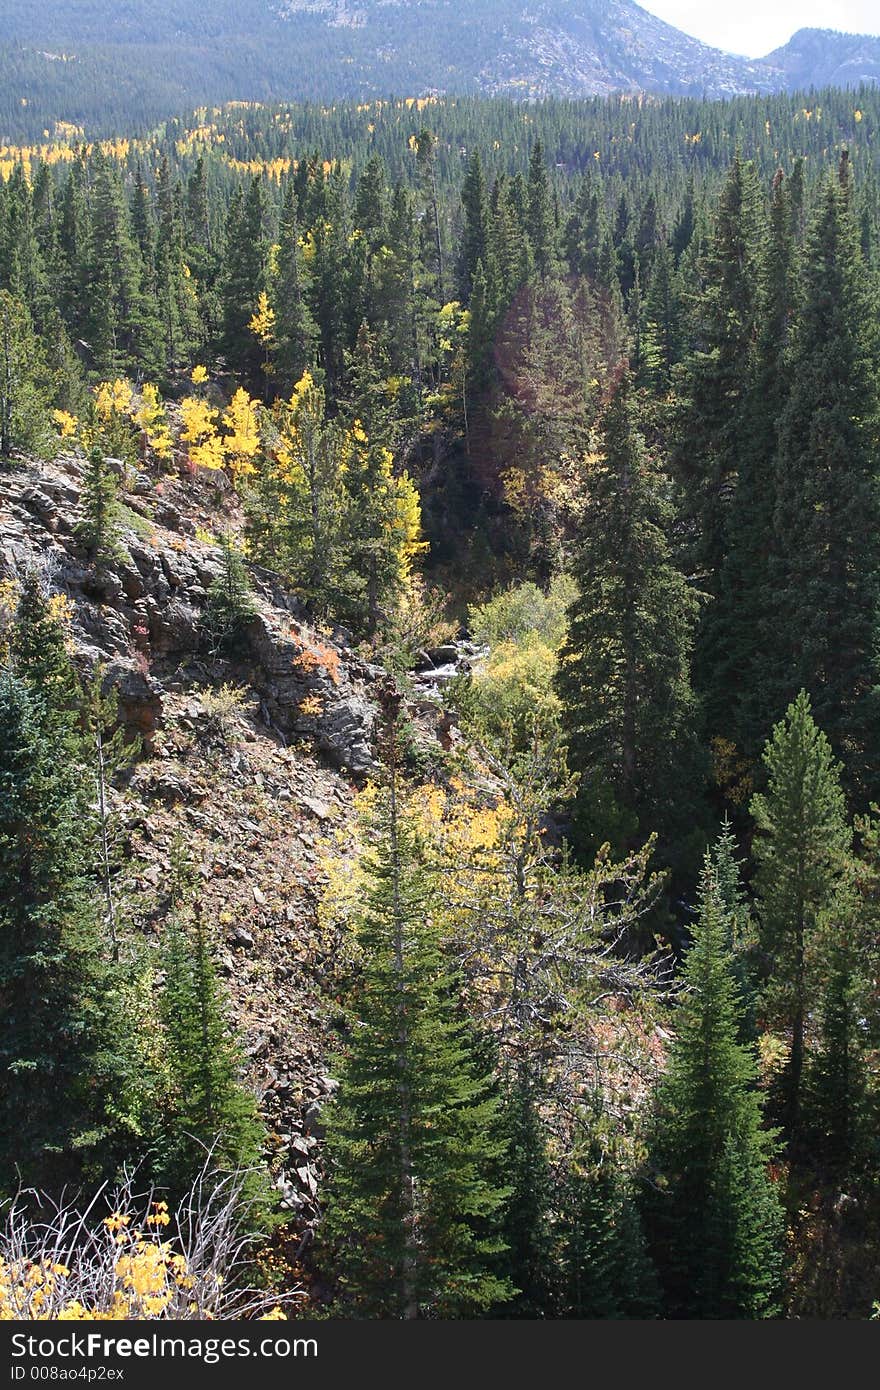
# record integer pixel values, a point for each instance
(754, 27)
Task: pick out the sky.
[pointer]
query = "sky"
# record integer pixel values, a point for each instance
(755, 27)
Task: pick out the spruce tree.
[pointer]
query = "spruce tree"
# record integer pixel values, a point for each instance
(713, 432)
(713, 1216)
(99, 527)
(527, 1214)
(541, 222)
(210, 1110)
(750, 562)
(295, 330)
(25, 385)
(122, 323)
(628, 708)
(800, 846)
(741, 935)
(244, 279)
(231, 605)
(59, 1060)
(837, 1080)
(475, 207)
(413, 1135)
(827, 503)
(604, 1265)
(383, 508)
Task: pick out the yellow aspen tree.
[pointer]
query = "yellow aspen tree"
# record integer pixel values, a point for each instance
(262, 325)
(241, 443)
(150, 417)
(199, 433)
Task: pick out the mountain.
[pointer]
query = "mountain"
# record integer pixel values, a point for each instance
(104, 64)
(827, 58)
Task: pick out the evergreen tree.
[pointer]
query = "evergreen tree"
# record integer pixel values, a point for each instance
(624, 680)
(837, 1088)
(413, 1134)
(230, 605)
(713, 1217)
(663, 334)
(99, 526)
(243, 281)
(741, 937)
(605, 1268)
(210, 1109)
(541, 223)
(800, 846)
(827, 520)
(39, 653)
(297, 514)
(383, 511)
(122, 323)
(714, 431)
(294, 327)
(24, 384)
(475, 232)
(330, 267)
(749, 564)
(59, 1060)
(526, 1225)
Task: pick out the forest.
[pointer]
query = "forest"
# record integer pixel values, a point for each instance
(593, 387)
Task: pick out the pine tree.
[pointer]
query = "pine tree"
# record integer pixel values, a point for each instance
(712, 1213)
(749, 564)
(799, 848)
(475, 206)
(624, 681)
(59, 1060)
(99, 527)
(24, 384)
(413, 1134)
(837, 1087)
(604, 1264)
(295, 329)
(210, 1109)
(827, 519)
(541, 222)
(243, 281)
(714, 431)
(526, 1225)
(230, 606)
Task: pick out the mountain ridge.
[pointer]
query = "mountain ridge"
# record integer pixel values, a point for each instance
(100, 66)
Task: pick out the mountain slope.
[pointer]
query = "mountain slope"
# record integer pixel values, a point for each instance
(827, 58)
(103, 64)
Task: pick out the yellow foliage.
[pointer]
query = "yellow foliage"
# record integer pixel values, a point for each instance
(148, 1276)
(67, 424)
(199, 432)
(199, 375)
(242, 440)
(151, 418)
(113, 398)
(262, 322)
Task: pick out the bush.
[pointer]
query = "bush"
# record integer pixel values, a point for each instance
(124, 1255)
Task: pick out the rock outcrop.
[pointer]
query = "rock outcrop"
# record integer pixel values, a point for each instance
(141, 615)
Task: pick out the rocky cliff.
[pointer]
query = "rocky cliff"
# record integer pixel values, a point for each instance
(254, 760)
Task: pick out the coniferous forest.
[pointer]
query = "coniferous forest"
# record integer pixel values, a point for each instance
(552, 431)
